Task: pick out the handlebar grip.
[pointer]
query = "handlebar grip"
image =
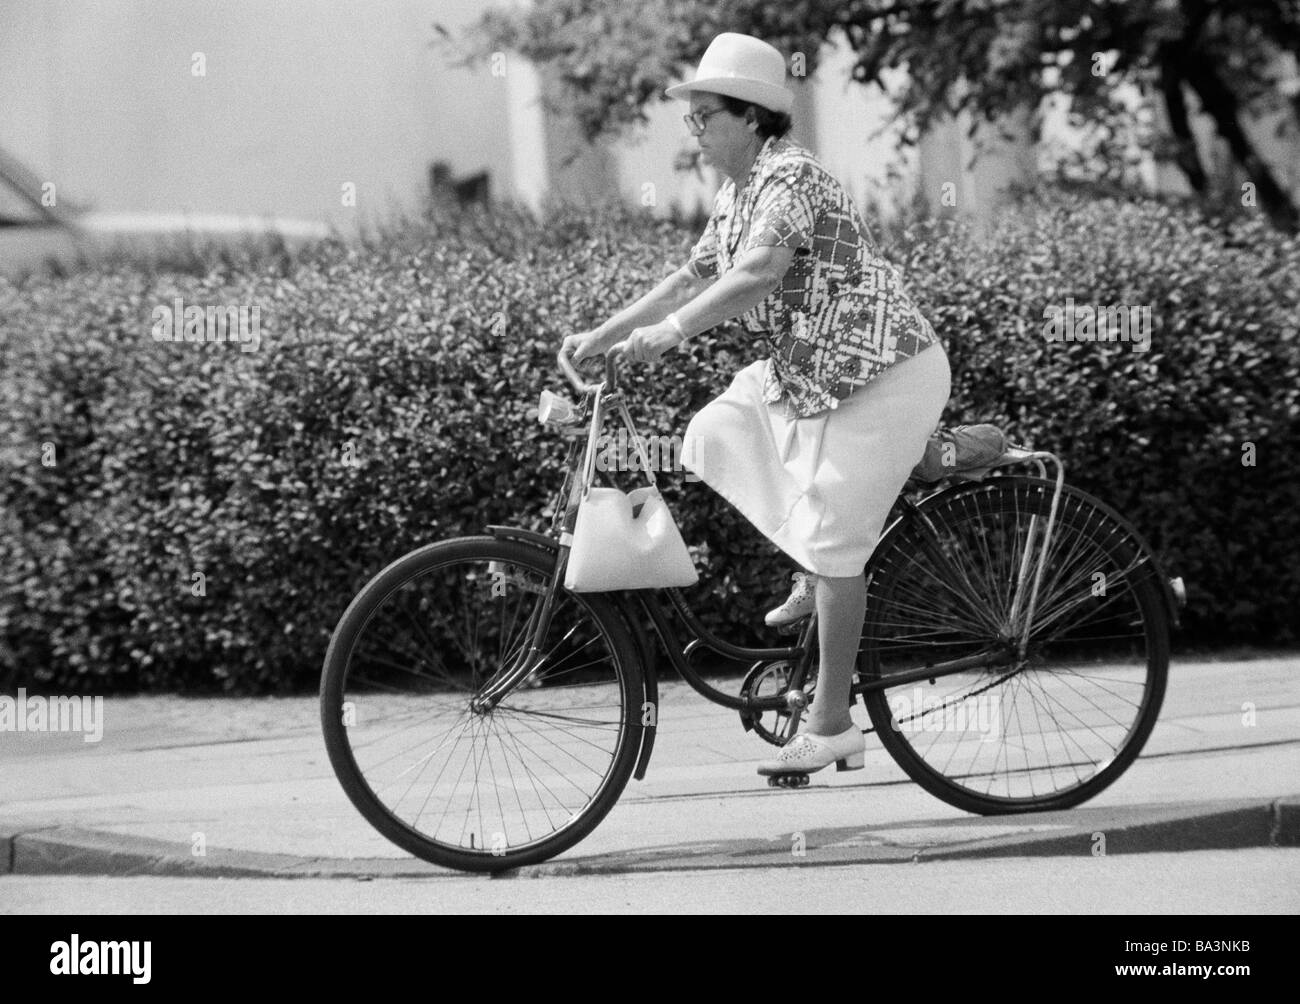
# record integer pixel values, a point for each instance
(581, 385)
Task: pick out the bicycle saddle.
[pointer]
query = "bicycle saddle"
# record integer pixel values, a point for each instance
(961, 452)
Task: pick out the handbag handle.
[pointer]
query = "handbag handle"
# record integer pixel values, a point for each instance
(597, 423)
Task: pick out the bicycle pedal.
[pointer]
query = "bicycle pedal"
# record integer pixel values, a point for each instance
(793, 627)
(788, 781)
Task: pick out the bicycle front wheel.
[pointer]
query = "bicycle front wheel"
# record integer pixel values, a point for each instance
(480, 790)
(1048, 730)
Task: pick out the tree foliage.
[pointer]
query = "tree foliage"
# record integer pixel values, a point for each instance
(988, 57)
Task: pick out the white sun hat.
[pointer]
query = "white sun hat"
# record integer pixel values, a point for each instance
(740, 66)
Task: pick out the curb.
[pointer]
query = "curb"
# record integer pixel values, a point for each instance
(63, 850)
(1075, 832)
(1248, 825)
(1141, 829)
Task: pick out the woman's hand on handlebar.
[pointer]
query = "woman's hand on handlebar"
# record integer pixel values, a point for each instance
(582, 346)
(645, 345)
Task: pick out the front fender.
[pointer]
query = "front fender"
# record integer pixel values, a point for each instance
(531, 536)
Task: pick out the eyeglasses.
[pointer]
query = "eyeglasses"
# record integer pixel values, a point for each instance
(696, 121)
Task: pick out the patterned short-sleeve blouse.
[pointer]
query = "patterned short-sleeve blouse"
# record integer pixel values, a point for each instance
(840, 316)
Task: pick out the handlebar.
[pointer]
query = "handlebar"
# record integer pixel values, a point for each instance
(582, 386)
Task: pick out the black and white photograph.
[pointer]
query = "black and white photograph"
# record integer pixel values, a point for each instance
(651, 457)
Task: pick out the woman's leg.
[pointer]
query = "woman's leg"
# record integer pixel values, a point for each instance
(902, 407)
(841, 607)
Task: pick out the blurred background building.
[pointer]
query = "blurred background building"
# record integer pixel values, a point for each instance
(286, 107)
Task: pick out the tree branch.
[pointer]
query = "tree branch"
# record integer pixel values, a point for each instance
(1186, 155)
(1221, 105)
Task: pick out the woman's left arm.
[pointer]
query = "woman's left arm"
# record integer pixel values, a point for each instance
(755, 274)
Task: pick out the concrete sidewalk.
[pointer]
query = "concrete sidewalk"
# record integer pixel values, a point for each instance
(242, 787)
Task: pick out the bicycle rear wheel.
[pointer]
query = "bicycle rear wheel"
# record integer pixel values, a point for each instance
(1048, 731)
(469, 789)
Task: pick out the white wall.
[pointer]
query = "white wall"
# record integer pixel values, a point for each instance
(645, 158)
(855, 138)
(299, 97)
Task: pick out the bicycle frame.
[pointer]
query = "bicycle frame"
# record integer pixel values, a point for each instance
(1024, 602)
(958, 571)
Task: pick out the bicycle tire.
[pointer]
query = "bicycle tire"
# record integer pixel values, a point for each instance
(360, 653)
(1090, 537)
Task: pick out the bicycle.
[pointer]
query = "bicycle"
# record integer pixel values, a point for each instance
(1013, 658)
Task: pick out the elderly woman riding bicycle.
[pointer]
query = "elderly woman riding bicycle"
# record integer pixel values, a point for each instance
(813, 443)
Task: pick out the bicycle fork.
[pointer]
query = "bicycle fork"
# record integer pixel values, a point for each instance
(509, 677)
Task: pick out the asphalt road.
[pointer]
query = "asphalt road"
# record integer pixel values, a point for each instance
(1259, 881)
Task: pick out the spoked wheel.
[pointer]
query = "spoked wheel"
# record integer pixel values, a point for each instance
(439, 775)
(1051, 729)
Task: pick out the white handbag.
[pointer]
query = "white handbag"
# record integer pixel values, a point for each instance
(624, 540)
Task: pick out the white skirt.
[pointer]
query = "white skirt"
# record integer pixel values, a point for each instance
(820, 488)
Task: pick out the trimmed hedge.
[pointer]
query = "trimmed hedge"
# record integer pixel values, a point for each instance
(1196, 440)
(210, 512)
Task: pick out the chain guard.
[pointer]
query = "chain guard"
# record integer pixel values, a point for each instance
(769, 679)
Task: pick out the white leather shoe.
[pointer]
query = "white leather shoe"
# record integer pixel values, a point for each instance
(799, 604)
(808, 752)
